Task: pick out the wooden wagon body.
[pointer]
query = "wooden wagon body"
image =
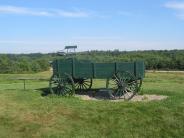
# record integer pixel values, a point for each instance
(72, 74)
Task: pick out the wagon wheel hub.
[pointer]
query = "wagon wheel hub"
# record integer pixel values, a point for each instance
(81, 81)
(121, 85)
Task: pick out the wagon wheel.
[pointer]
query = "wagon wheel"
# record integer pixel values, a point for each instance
(83, 84)
(62, 85)
(124, 85)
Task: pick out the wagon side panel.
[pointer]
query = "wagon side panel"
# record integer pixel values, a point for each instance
(128, 67)
(55, 67)
(83, 69)
(139, 69)
(104, 70)
(65, 67)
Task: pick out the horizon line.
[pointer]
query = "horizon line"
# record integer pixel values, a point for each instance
(83, 51)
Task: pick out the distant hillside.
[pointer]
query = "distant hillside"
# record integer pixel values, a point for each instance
(154, 60)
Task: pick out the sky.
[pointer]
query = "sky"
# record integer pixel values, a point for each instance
(29, 26)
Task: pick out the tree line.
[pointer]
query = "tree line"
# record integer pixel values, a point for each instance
(23, 63)
(154, 60)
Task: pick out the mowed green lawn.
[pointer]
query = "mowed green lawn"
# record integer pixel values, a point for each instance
(25, 114)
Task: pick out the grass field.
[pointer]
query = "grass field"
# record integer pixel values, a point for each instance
(25, 114)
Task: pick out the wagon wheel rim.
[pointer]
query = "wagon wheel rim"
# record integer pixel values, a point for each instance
(126, 85)
(83, 84)
(62, 86)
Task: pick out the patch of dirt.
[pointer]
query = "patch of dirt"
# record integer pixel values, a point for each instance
(136, 98)
(148, 97)
(86, 97)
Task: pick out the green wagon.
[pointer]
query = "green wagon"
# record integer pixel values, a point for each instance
(123, 78)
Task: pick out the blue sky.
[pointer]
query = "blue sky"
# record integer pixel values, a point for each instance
(49, 25)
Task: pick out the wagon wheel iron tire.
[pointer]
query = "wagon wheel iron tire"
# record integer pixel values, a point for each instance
(62, 85)
(124, 85)
(83, 84)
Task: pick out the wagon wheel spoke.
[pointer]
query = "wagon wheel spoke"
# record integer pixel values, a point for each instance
(88, 81)
(133, 82)
(82, 87)
(86, 84)
(83, 84)
(129, 90)
(78, 87)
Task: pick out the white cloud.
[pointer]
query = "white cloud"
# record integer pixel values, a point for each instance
(178, 7)
(175, 5)
(72, 14)
(38, 12)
